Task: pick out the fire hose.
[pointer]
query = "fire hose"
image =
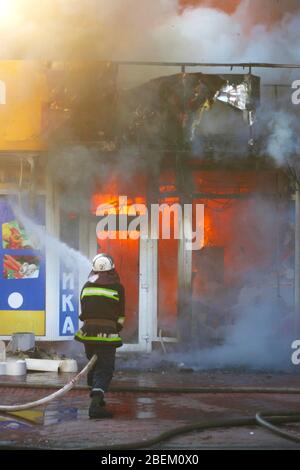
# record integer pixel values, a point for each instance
(224, 423)
(260, 418)
(53, 396)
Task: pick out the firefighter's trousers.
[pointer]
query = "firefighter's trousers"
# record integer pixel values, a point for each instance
(100, 376)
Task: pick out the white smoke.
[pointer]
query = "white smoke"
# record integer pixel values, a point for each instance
(283, 141)
(139, 29)
(210, 35)
(256, 339)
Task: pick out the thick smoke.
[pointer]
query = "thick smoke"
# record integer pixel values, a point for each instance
(79, 171)
(277, 127)
(260, 337)
(247, 323)
(283, 141)
(160, 30)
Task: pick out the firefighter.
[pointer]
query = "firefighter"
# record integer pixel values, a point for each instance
(102, 312)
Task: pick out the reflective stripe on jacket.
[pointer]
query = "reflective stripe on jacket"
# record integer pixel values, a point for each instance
(100, 292)
(99, 338)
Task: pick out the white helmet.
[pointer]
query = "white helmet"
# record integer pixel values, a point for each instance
(103, 262)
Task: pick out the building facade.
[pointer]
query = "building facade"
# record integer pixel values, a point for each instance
(68, 147)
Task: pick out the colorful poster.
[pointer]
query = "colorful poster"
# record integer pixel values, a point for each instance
(14, 237)
(22, 280)
(21, 267)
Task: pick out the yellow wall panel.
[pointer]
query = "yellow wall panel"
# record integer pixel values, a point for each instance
(21, 321)
(23, 90)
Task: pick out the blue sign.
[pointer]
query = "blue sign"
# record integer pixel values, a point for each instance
(68, 303)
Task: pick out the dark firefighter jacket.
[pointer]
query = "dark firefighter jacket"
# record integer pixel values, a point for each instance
(102, 311)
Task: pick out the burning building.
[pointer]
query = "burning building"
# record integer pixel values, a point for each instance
(73, 140)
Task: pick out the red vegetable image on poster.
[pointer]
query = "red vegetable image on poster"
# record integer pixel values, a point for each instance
(21, 267)
(14, 237)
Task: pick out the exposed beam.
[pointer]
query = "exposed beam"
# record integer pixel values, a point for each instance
(248, 65)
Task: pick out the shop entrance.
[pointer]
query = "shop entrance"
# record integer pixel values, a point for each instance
(136, 264)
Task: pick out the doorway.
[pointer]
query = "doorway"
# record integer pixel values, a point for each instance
(136, 263)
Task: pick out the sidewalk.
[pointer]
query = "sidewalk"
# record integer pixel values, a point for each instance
(144, 414)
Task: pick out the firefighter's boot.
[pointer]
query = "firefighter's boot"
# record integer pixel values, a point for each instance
(97, 408)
